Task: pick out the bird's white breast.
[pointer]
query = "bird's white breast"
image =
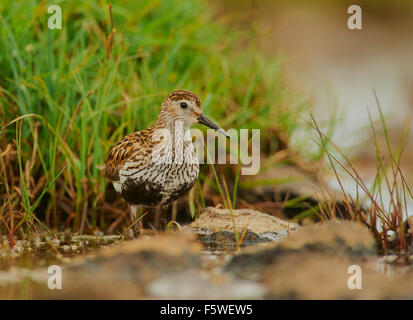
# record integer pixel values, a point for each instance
(169, 176)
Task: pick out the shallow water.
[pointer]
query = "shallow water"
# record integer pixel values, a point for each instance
(45, 251)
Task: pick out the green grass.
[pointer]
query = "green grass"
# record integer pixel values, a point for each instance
(76, 103)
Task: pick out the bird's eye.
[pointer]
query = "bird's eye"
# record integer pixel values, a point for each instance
(183, 105)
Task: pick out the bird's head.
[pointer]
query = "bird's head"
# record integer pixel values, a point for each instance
(185, 106)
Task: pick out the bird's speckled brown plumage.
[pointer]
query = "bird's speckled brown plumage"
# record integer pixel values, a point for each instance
(124, 149)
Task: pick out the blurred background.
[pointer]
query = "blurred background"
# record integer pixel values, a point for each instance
(336, 66)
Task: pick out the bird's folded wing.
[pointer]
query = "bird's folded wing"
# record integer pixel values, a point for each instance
(124, 150)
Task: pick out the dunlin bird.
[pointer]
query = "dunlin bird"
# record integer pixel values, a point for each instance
(138, 175)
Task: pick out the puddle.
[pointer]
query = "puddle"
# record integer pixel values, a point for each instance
(45, 251)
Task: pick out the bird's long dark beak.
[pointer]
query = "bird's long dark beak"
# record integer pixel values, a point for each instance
(202, 119)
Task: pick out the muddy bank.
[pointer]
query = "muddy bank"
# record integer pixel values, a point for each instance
(308, 262)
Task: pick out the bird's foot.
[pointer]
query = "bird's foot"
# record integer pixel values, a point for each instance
(136, 231)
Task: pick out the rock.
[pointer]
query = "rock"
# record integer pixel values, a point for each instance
(215, 227)
(310, 275)
(123, 271)
(307, 276)
(346, 238)
(336, 237)
(256, 221)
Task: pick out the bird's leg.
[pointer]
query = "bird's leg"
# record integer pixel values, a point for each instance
(136, 228)
(158, 212)
(174, 210)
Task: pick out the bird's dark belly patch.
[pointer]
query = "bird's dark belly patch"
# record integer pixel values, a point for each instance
(144, 193)
(151, 194)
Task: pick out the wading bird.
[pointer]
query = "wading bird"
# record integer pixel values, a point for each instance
(146, 168)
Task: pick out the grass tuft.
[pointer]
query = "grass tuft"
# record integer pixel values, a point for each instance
(388, 221)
